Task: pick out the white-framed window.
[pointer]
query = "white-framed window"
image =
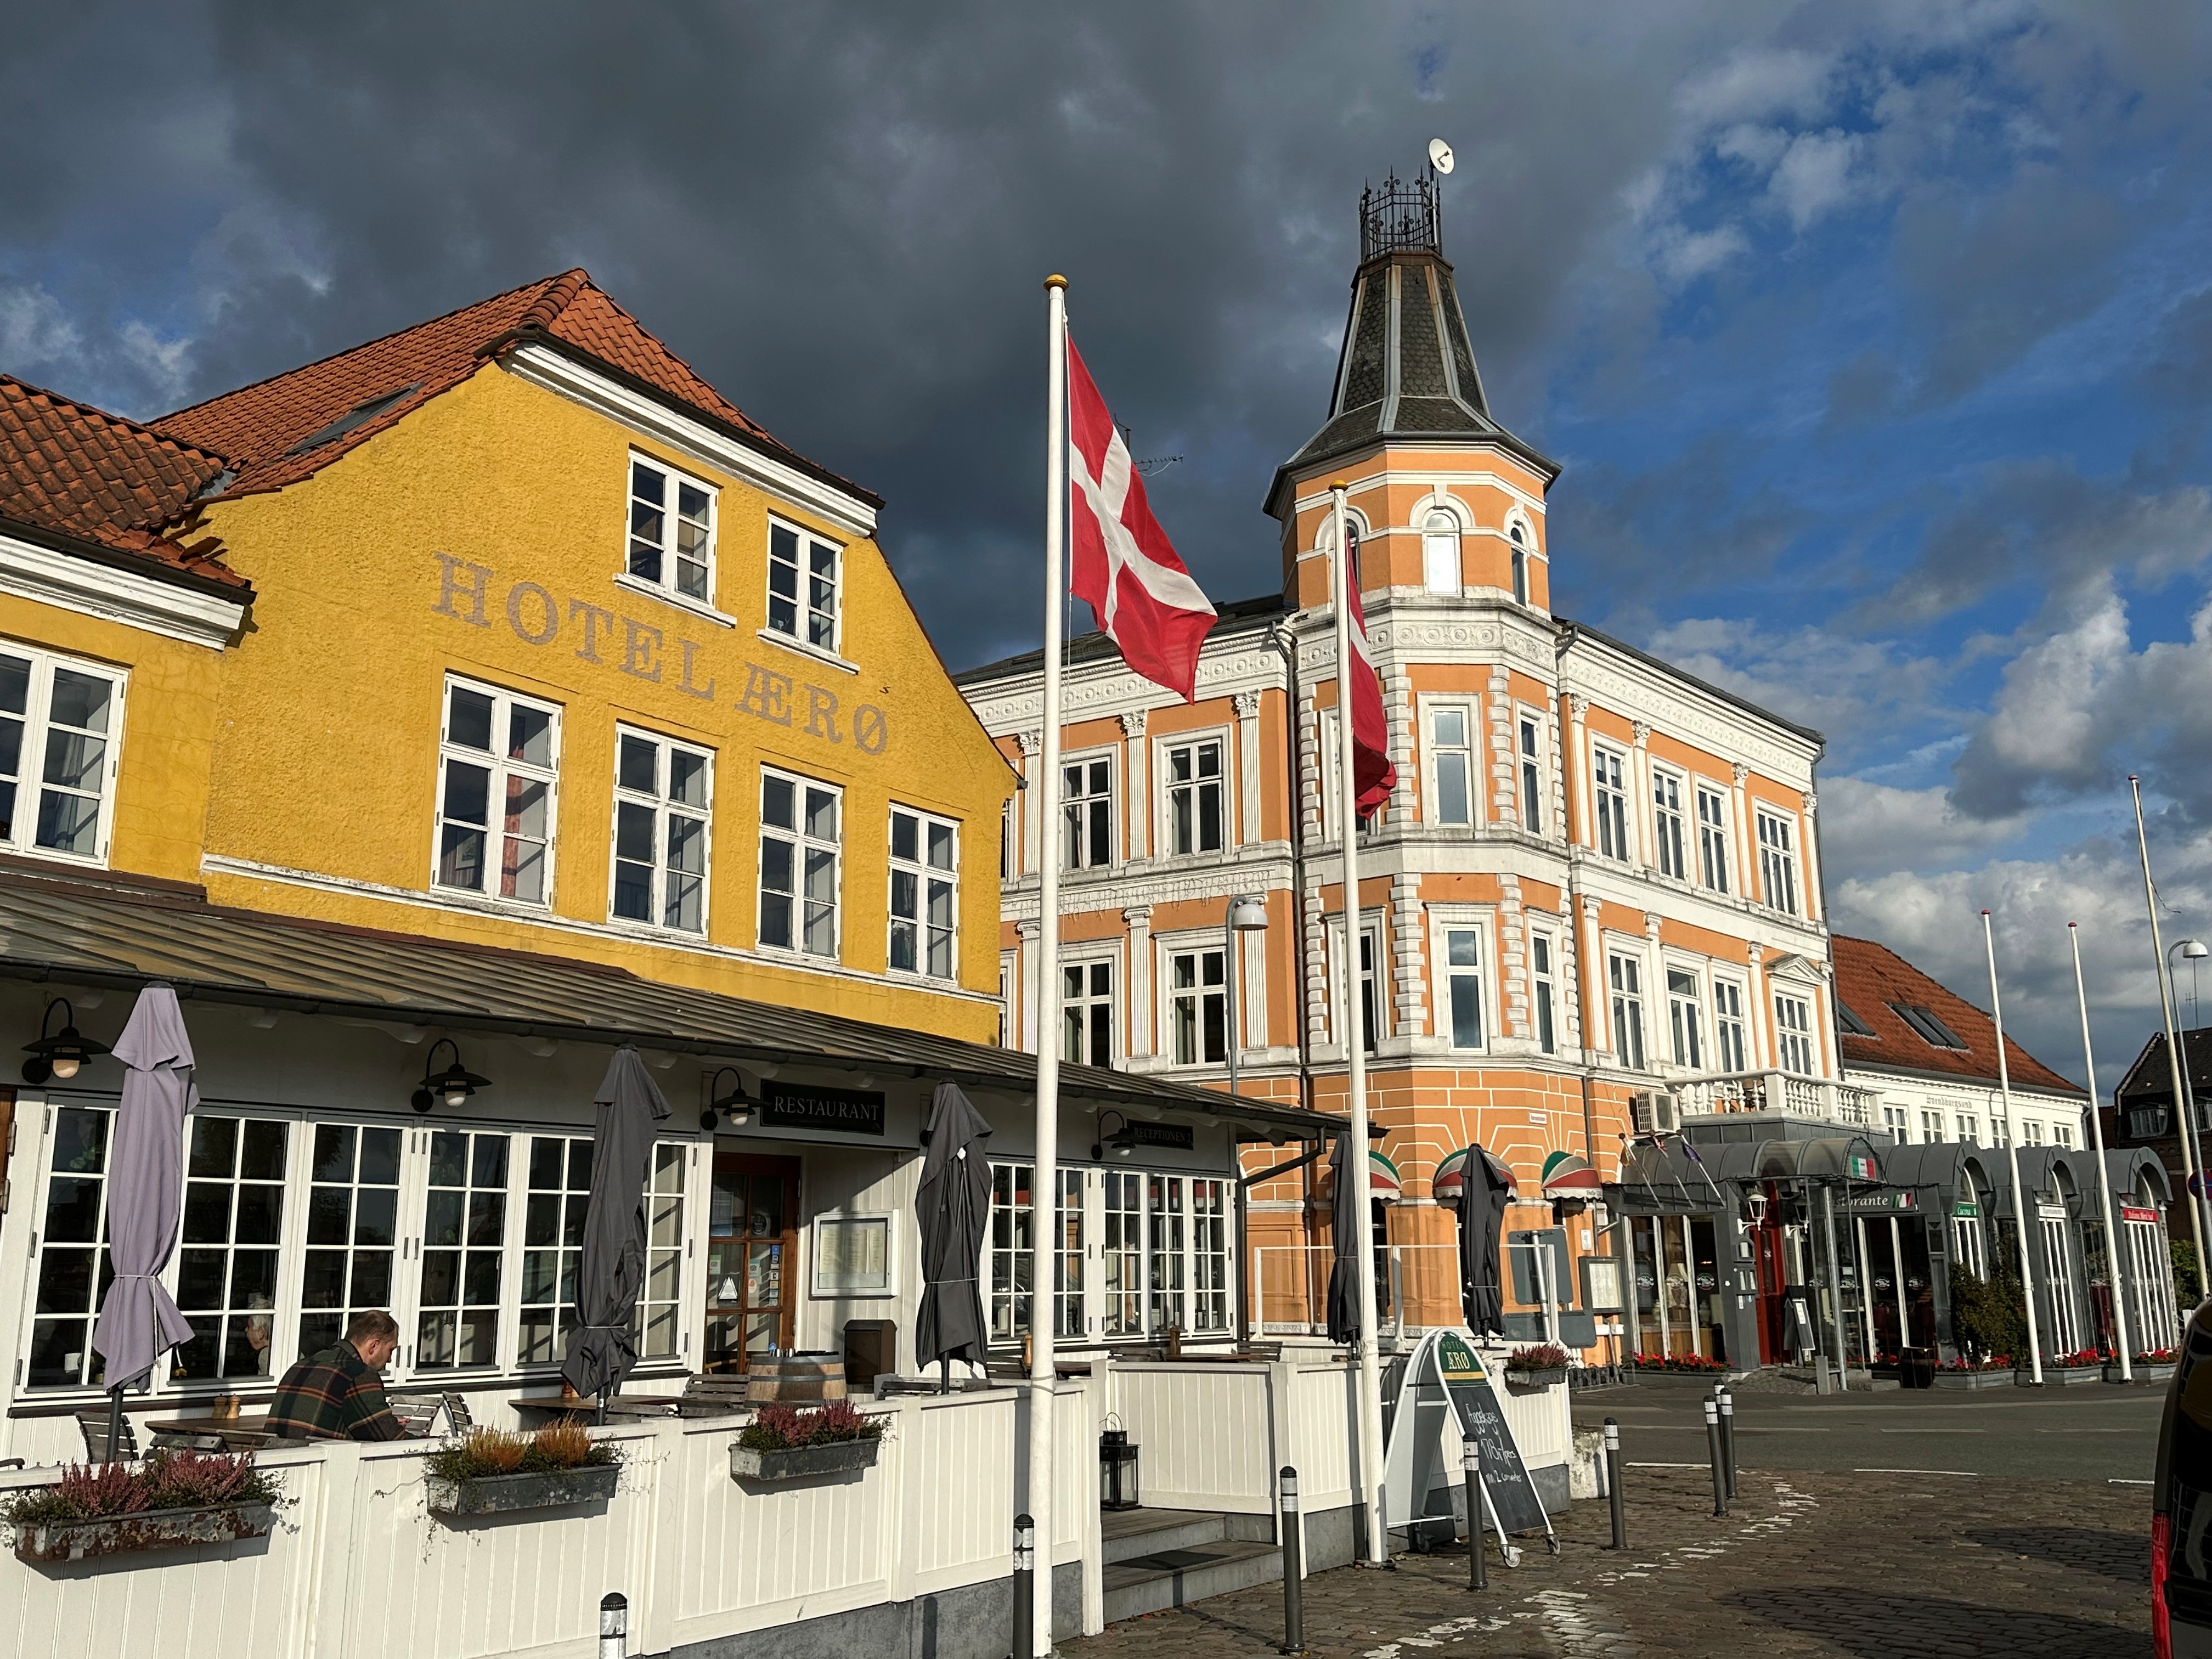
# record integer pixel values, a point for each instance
(1013, 1261)
(1793, 1034)
(1210, 1214)
(1068, 1258)
(1712, 839)
(1007, 841)
(1534, 818)
(1086, 838)
(1122, 1258)
(1370, 999)
(1006, 961)
(560, 1185)
(1193, 787)
(1731, 1051)
(2061, 1135)
(1970, 1130)
(61, 723)
(229, 1245)
(1086, 1001)
(1685, 1019)
(925, 894)
(352, 1230)
(2030, 1133)
(1464, 974)
(1777, 862)
(1167, 1243)
(1198, 1006)
(672, 530)
(1897, 1121)
(1667, 825)
(499, 764)
(1931, 1126)
(1625, 977)
(663, 805)
(464, 1241)
(1520, 563)
(803, 579)
(1451, 757)
(1967, 1241)
(1540, 968)
(659, 1316)
(1608, 770)
(1440, 551)
(800, 838)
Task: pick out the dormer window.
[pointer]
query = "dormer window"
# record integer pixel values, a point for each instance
(1520, 565)
(1923, 1021)
(1440, 551)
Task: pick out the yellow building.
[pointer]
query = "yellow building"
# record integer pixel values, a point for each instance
(555, 649)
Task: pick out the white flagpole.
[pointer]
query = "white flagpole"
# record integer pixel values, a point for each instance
(2112, 1253)
(1354, 1040)
(2184, 1101)
(1044, 1185)
(2020, 1195)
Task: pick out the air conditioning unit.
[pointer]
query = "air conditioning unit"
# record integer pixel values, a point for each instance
(1655, 1111)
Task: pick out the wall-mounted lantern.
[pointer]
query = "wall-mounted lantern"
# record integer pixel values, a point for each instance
(453, 1085)
(734, 1101)
(60, 1054)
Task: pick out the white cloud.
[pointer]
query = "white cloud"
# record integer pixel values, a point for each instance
(1868, 827)
(1683, 256)
(1815, 175)
(164, 366)
(1756, 81)
(35, 332)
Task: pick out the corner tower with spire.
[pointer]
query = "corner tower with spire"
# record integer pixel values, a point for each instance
(1410, 427)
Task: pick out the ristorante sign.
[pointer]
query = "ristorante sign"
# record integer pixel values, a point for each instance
(472, 593)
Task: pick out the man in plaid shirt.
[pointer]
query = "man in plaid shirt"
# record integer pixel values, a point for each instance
(338, 1394)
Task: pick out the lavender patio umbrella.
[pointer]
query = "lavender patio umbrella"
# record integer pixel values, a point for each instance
(138, 1319)
(611, 1267)
(953, 1205)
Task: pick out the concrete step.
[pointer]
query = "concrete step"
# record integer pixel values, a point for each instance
(1127, 1533)
(1176, 1577)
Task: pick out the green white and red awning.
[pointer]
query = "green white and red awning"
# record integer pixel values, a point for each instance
(1568, 1175)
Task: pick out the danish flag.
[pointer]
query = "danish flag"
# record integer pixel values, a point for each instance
(1374, 775)
(1125, 568)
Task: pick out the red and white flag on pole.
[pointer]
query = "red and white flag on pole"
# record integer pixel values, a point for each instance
(1125, 568)
(1373, 772)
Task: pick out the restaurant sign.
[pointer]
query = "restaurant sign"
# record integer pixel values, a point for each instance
(1889, 1201)
(2137, 1212)
(1966, 1212)
(813, 1106)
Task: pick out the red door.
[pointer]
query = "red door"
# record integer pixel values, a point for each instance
(1767, 1241)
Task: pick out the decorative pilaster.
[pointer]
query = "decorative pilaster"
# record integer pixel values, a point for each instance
(1513, 1003)
(1137, 811)
(1764, 1053)
(1026, 997)
(1592, 937)
(1579, 760)
(1409, 996)
(1747, 852)
(1504, 792)
(1814, 909)
(1246, 705)
(1642, 832)
(1031, 744)
(1139, 1020)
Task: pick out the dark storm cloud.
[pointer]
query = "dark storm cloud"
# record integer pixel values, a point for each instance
(842, 216)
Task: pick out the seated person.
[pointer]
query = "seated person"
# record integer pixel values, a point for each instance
(338, 1394)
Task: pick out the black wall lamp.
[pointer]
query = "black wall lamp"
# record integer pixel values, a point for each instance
(736, 1103)
(1122, 1141)
(58, 1056)
(453, 1085)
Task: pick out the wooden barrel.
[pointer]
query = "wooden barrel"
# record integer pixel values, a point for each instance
(795, 1377)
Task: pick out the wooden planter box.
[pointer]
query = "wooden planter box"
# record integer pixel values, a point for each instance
(2060, 1376)
(1549, 1376)
(149, 1529)
(2145, 1370)
(500, 1494)
(1973, 1379)
(800, 1462)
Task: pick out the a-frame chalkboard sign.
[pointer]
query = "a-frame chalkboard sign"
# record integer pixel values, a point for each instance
(1444, 1383)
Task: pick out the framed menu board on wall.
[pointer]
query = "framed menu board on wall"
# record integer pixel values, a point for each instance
(854, 1255)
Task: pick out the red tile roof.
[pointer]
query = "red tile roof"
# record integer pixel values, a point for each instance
(78, 472)
(260, 425)
(1870, 977)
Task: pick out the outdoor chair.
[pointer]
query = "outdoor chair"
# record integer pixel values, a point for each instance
(183, 1439)
(93, 1423)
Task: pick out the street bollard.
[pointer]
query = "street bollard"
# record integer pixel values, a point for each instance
(1727, 1442)
(1294, 1604)
(1025, 1641)
(1614, 1494)
(1713, 1455)
(1470, 1465)
(614, 1626)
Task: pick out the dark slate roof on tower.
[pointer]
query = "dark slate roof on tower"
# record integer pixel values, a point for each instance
(1407, 368)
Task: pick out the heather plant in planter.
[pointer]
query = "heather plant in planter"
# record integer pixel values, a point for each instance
(783, 1442)
(173, 1497)
(491, 1471)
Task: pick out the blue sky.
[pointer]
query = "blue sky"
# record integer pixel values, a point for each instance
(1873, 338)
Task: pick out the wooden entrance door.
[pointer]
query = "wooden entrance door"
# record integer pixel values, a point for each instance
(1773, 1276)
(752, 1259)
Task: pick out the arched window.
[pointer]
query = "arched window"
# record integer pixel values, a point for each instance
(1440, 551)
(1520, 567)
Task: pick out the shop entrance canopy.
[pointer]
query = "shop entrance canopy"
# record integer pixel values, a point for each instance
(1678, 1177)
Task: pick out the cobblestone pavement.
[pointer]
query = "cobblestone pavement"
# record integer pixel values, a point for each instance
(1867, 1565)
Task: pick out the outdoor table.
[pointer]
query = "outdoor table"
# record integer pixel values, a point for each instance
(238, 1433)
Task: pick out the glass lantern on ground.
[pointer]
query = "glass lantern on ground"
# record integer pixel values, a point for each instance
(1117, 1470)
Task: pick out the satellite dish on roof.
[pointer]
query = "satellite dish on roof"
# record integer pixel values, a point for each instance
(1440, 156)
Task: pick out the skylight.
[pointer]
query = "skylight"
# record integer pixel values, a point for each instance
(1924, 1020)
(359, 415)
(1852, 1024)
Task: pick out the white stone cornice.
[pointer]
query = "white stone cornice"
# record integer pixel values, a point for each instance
(90, 588)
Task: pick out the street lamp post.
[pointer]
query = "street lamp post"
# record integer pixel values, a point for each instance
(1247, 915)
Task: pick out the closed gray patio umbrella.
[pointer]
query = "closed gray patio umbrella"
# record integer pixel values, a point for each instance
(1348, 1230)
(138, 1319)
(952, 1205)
(1485, 1187)
(610, 1268)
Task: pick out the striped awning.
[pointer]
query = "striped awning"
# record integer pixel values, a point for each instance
(1568, 1175)
(1383, 1177)
(1451, 1175)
